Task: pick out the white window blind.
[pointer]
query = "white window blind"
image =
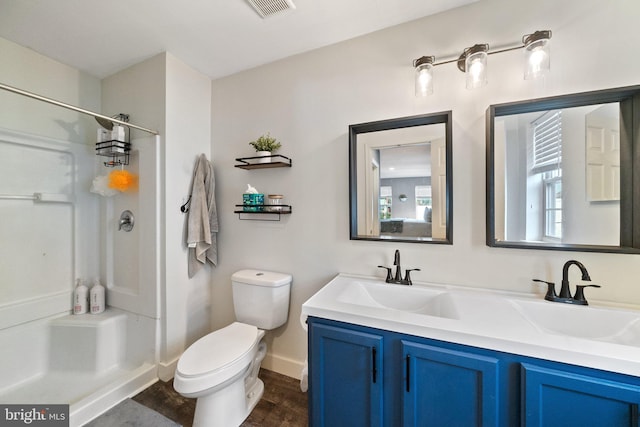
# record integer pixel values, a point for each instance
(547, 141)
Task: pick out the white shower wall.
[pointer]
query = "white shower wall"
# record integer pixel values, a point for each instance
(39, 255)
(130, 258)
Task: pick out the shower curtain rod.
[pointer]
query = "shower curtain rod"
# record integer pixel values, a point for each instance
(74, 108)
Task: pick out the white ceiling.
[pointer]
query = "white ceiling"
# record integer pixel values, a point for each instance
(216, 37)
(406, 161)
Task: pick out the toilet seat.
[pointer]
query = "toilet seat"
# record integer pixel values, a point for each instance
(216, 358)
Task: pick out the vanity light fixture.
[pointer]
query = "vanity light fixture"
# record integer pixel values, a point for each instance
(537, 54)
(424, 75)
(473, 62)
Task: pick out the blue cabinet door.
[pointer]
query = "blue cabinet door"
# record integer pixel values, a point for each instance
(448, 387)
(345, 371)
(562, 398)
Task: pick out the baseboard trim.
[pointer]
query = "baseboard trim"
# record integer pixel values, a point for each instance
(283, 365)
(166, 370)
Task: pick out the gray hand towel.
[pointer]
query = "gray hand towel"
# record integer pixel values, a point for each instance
(202, 218)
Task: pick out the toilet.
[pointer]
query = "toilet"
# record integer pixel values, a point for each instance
(221, 369)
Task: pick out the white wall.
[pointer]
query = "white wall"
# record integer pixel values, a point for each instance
(309, 100)
(188, 133)
(164, 94)
(27, 70)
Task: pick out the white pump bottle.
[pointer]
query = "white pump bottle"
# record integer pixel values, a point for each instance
(96, 298)
(80, 298)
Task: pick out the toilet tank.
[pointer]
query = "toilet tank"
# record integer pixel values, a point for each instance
(261, 298)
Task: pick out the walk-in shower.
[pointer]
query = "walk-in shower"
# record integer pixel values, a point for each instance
(53, 231)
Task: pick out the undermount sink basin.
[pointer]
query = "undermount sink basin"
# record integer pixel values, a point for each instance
(618, 326)
(412, 299)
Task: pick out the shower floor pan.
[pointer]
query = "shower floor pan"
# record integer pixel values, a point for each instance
(88, 367)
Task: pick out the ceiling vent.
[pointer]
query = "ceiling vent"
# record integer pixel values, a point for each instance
(267, 8)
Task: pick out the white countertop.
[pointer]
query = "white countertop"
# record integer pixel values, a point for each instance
(601, 338)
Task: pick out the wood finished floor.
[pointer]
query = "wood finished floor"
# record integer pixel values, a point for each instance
(283, 404)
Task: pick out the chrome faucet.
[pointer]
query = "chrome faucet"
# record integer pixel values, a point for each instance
(398, 277)
(565, 293)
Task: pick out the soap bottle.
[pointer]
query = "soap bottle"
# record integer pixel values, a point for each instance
(96, 298)
(80, 298)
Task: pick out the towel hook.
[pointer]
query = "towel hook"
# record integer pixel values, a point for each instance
(185, 208)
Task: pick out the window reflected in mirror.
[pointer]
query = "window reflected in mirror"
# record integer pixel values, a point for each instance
(560, 172)
(559, 176)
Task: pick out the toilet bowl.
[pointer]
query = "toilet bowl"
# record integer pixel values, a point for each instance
(221, 369)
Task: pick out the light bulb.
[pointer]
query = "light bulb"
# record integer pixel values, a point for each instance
(537, 63)
(424, 76)
(476, 66)
(424, 82)
(476, 69)
(537, 54)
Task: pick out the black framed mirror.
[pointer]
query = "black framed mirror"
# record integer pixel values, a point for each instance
(401, 179)
(563, 173)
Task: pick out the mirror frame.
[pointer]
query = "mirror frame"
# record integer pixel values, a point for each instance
(629, 99)
(444, 117)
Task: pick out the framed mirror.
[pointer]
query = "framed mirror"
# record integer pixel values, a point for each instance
(564, 172)
(400, 180)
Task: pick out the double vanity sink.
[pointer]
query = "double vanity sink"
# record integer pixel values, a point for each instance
(596, 337)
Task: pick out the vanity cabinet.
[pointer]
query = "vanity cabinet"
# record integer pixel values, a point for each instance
(346, 376)
(361, 376)
(448, 387)
(367, 377)
(565, 398)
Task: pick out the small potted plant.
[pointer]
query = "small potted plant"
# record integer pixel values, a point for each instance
(265, 146)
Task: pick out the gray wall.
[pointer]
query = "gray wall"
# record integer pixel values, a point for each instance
(405, 186)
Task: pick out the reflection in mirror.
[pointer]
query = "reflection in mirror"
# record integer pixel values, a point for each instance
(559, 173)
(400, 179)
(544, 199)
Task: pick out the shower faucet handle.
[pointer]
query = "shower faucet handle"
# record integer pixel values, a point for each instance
(126, 221)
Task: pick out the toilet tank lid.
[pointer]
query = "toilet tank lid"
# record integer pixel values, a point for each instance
(261, 278)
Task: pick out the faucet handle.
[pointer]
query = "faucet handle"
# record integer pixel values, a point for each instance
(551, 290)
(579, 296)
(389, 277)
(407, 276)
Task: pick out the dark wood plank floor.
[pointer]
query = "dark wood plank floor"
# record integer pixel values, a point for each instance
(283, 404)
